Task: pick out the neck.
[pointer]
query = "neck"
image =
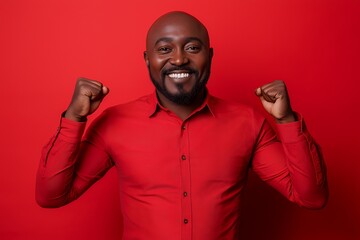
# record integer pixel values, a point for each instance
(182, 111)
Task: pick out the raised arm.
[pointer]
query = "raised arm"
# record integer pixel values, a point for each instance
(292, 163)
(68, 166)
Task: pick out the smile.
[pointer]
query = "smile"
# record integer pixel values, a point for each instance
(179, 75)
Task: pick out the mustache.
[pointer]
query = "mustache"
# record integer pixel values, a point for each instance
(171, 69)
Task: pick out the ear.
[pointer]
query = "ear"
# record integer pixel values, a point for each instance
(211, 51)
(146, 58)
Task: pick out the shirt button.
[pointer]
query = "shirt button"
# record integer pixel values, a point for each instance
(185, 194)
(186, 221)
(183, 127)
(183, 157)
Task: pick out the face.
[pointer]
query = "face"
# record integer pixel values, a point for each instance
(178, 57)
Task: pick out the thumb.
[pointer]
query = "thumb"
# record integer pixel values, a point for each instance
(258, 92)
(95, 103)
(105, 90)
(100, 96)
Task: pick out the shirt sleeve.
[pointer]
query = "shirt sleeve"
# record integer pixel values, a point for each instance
(292, 163)
(68, 165)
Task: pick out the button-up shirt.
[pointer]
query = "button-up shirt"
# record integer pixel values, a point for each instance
(181, 179)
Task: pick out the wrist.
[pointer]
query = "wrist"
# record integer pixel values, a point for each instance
(287, 119)
(74, 117)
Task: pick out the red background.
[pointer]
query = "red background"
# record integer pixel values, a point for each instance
(45, 45)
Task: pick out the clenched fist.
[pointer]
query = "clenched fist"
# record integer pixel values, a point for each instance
(275, 99)
(87, 97)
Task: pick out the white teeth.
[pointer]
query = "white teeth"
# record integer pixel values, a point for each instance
(179, 75)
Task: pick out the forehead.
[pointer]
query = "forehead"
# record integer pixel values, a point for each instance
(176, 27)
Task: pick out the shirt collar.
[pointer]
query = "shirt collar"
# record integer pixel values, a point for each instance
(155, 106)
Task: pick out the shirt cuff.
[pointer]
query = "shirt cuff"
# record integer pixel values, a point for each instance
(71, 131)
(291, 132)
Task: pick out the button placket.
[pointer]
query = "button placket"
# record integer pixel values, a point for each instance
(185, 161)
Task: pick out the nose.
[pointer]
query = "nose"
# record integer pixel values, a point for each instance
(179, 58)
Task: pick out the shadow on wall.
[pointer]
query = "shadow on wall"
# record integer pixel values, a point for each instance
(265, 213)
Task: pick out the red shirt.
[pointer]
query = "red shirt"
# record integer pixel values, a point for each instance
(181, 179)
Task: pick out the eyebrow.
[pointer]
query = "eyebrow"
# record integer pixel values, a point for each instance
(188, 39)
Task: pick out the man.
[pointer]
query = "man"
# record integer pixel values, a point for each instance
(182, 155)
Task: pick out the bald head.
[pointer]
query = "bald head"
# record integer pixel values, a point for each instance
(176, 23)
(178, 57)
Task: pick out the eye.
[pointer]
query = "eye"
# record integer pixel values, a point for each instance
(164, 49)
(193, 48)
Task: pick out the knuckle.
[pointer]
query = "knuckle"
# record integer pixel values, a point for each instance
(80, 83)
(81, 80)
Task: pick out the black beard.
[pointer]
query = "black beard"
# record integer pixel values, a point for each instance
(182, 98)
